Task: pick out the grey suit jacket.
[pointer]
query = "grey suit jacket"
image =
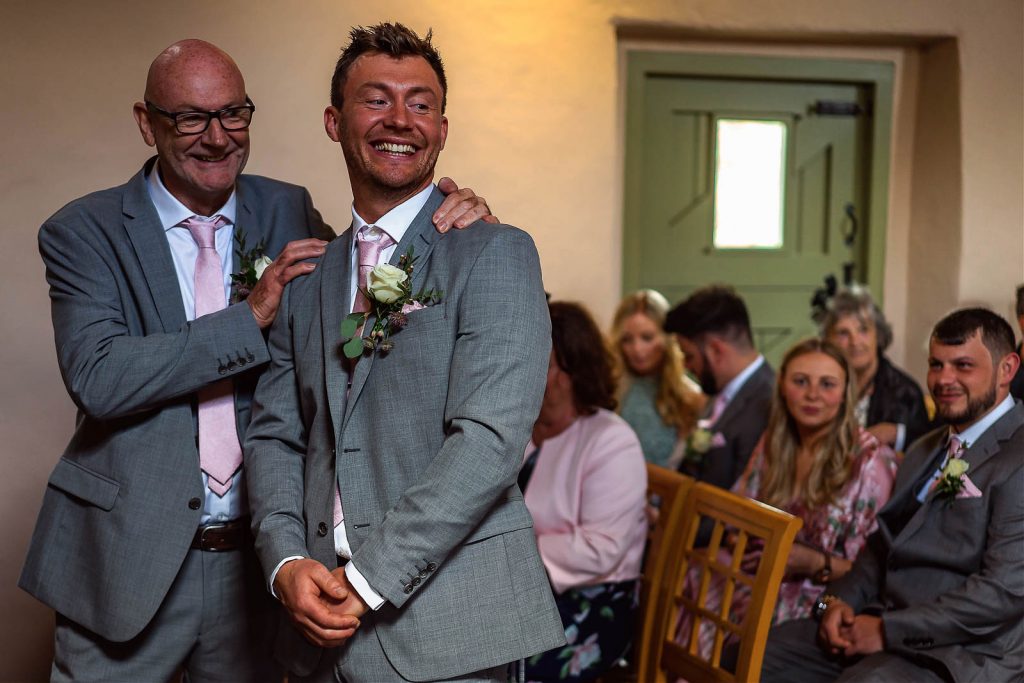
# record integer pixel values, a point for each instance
(124, 500)
(741, 423)
(950, 584)
(426, 450)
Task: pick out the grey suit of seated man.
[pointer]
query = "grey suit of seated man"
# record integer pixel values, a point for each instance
(151, 572)
(432, 546)
(937, 593)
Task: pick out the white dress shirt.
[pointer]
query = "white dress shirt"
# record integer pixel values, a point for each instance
(184, 250)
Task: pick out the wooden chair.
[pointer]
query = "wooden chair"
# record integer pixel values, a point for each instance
(744, 520)
(669, 489)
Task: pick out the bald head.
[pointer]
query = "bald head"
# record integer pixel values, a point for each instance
(177, 66)
(198, 168)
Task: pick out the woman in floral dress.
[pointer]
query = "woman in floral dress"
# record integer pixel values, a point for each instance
(815, 462)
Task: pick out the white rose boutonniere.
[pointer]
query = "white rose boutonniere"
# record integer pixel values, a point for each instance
(261, 265)
(389, 291)
(251, 264)
(384, 283)
(951, 480)
(700, 441)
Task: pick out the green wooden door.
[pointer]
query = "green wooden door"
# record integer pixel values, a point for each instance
(796, 189)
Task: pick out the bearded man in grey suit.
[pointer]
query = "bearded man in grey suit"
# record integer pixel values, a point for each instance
(144, 554)
(430, 543)
(937, 593)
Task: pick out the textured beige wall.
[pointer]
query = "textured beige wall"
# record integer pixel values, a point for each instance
(535, 126)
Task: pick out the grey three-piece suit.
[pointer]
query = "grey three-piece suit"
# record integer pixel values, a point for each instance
(124, 500)
(426, 448)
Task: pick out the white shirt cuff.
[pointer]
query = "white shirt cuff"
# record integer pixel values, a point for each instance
(901, 437)
(273, 574)
(373, 599)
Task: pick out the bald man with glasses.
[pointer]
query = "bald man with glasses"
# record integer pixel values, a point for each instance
(142, 545)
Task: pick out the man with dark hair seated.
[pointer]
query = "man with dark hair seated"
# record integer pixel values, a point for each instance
(713, 329)
(938, 591)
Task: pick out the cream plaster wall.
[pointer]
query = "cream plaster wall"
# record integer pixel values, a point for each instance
(535, 127)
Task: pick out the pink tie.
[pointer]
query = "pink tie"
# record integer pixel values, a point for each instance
(370, 248)
(220, 454)
(717, 408)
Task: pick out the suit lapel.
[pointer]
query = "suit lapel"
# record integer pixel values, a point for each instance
(335, 296)
(976, 455)
(742, 397)
(421, 237)
(245, 223)
(142, 224)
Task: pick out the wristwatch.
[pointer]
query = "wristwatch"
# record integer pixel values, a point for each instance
(823, 602)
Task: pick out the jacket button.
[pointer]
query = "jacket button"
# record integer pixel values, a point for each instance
(408, 589)
(241, 361)
(222, 370)
(195, 504)
(232, 365)
(321, 529)
(431, 566)
(416, 580)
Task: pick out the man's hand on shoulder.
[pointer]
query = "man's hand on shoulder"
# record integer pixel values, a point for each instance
(266, 295)
(460, 207)
(316, 601)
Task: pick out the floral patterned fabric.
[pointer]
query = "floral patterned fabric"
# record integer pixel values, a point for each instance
(839, 528)
(598, 630)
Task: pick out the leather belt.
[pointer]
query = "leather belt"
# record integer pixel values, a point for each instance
(221, 537)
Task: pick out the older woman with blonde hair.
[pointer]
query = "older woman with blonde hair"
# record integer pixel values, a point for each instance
(656, 397)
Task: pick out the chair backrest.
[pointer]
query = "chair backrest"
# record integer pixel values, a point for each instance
(668, 488)
(690, 571)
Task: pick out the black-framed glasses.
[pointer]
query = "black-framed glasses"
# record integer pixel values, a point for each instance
(195, 122)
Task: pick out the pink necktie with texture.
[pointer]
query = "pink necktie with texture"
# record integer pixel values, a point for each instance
(220, 454)
(370, 247)
(717, 408)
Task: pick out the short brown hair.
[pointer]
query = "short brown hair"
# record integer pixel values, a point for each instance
(581, 353)
(394, 40)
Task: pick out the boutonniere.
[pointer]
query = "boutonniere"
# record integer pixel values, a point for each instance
(952, 479)
(700, 441)
(251, 264)
(389, 290)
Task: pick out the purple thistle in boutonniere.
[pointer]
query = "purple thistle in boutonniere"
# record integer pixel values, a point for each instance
(388, 289)
(251, 264)
(951, 480)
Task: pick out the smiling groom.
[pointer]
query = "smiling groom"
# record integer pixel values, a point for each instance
(429, 541)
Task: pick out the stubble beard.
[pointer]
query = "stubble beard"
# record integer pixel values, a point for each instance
(976, 407)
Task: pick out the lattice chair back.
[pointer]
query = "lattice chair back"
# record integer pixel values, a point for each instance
(743, 563)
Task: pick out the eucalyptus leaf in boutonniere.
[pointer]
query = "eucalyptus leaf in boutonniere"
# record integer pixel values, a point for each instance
(251, 264)
(388, 289)
(951, 480)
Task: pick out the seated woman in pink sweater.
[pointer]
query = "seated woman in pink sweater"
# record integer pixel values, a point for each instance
(585, 484)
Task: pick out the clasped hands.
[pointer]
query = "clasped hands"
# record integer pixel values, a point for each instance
(843, 632)
(321, 603)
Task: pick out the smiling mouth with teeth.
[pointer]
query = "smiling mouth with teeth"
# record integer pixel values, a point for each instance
(212, 159)
(394, 148)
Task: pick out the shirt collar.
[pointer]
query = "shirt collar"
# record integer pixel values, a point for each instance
(737, 382)
(171, 211)
(396, 221)
(971, 435)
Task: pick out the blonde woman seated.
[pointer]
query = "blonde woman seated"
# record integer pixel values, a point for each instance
(815, 462)
(585, 481)
(655, 397)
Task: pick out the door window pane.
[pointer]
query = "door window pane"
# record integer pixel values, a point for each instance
(749, 183)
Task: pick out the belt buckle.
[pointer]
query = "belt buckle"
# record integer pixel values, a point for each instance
(213, 545)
